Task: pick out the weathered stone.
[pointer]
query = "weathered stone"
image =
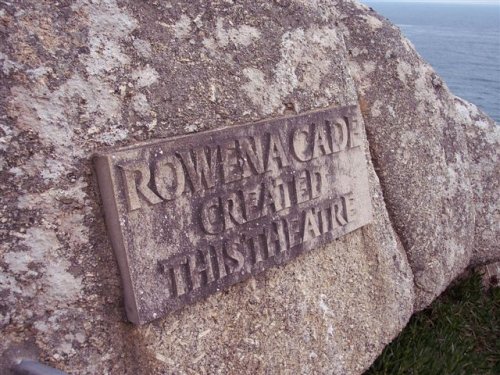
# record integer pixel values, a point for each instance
(436, 155)
(483, 144)
(190, 216)
(82, 76)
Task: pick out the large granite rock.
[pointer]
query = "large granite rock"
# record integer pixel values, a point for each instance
(83, 75)
(436, 155)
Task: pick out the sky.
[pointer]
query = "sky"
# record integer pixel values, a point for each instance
(497, 2)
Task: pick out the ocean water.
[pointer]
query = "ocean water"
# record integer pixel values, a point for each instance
(460, 41)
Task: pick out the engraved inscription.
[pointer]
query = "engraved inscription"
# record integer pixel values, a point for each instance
(192, 215)
(243, 252)
(189, 171)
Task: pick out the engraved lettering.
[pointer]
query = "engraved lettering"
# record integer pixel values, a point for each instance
(325, 224)
(251, 154)
(339, 217)
(300, 143)
(294, 232)
(136, 177)
(200, 167)
(317, 181)
(211, 216)
(339, 134)
(234, 202)
(271, 201)
(276, 156)
(231, 165)
(235, 256)
(302, 191)
(321, 144)
(233, 213)
(178, 265)
(311, 229)
(169, 177)
(199, 268)
(355, 139)
(349, 207)
(221, 264)
(251, 197)
(257, 248)
(282, 191)
(276, 241)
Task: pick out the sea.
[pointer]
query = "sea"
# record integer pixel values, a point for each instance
(460, 40)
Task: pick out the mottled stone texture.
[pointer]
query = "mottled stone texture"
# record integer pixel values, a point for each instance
(436, 155)
(78, 76)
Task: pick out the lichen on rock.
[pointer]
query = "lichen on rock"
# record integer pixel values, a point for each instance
(83, 75)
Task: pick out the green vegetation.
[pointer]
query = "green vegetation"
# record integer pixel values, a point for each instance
(458, 334)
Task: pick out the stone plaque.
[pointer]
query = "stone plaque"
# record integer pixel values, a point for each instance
(192, 215)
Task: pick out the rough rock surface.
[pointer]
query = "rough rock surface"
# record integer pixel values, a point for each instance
(436, 155)
(82, 75)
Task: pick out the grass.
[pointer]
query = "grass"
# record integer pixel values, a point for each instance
(458, 334)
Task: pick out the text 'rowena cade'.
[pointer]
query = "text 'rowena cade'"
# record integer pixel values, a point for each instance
(192, 215)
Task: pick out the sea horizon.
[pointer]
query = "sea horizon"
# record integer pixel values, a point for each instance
(461, 41)
(458, 2)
